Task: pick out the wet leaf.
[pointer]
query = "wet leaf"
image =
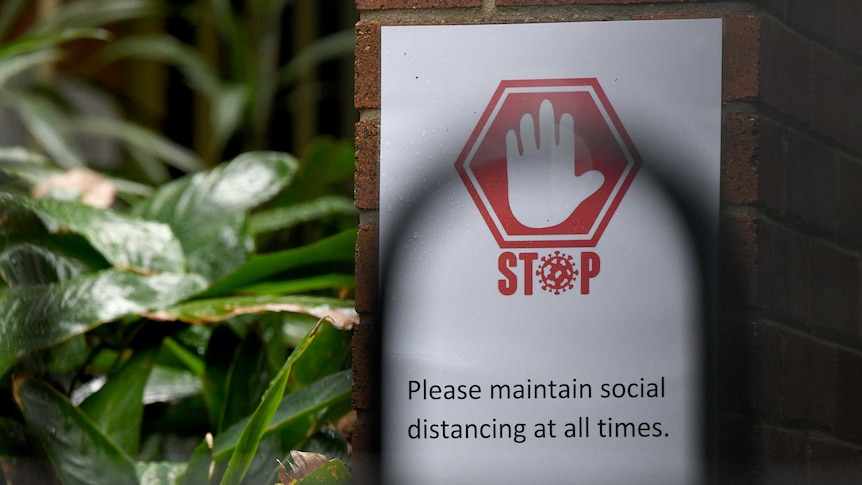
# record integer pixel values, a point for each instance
(49, 259)
(38, 317)
(127, 242)
(281, 218)
(159, 473)
(118, 407)
(249, 441)
(338, 248)
(80, 452)
(207, 210)
(220, 309)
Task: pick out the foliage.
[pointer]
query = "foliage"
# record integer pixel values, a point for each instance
(109, 314)
(161, 331)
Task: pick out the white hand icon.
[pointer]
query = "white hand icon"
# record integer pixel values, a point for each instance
(543, 187)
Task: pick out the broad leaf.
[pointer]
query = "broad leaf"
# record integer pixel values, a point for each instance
(207, 210)
(282, 218)
(118, 407)
(249, 440)
(38, 317)
(80, 452)
(338, 248)
(159, 473)
(49, 259)
(125, 241)
(220, 309)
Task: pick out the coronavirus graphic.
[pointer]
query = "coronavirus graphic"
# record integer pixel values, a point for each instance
(557, 273)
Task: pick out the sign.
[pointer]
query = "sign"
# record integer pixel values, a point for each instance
(583, 164)
(542, 292)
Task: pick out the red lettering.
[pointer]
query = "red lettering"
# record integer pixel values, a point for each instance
(590, 266)
(528, 259)
(509, 285)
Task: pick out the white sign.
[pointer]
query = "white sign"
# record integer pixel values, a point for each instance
(542, 295)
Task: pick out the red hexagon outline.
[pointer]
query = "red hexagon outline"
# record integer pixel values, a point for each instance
(608, 208)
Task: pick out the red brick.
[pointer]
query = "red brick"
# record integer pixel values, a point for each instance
(393, 4)
(785, 456)
(367, 65)
(837, 93)
(367, 181)
(785, 70)
(808, 381)
(367, 268)
(848, 412)
(811, 172)
(766, 369)
(833, 462)
(738, 169)
(837, 21)
(832, 296)
(850, 199)
(738, 249)
(772, 166)
(741, 52)
(504, 3)
(781, 266)
(366, 350)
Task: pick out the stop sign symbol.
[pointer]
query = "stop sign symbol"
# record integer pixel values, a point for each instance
(548, 163)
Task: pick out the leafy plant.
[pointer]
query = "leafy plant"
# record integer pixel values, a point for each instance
(165, 310)
(44, 99)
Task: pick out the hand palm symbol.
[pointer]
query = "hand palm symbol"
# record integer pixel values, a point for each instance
(543, 187)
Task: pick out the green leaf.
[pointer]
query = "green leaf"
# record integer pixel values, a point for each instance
(324, 162)
(80, 452)
(159, 473)
(126, 242)
(33, 43)
(31, 167)
(118, 407)
(89, 13)
(301, 285)
(326, 355)
(281, 218)
(247, 380)
(48, 125)
(220, 351)
(296, 410)
(339, 44)
(207, 210)
(38, 317)
(332, 472)
(13, 66)
(220, 309)
(144, 140)
(167, 384)
(338, 248)
(169, 50)
(249, 440)
(49, 259)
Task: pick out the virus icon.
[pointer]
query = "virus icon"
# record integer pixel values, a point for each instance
(557, 273)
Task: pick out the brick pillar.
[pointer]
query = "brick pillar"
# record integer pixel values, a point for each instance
(787, 356)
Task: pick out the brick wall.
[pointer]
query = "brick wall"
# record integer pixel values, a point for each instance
(787, 355)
